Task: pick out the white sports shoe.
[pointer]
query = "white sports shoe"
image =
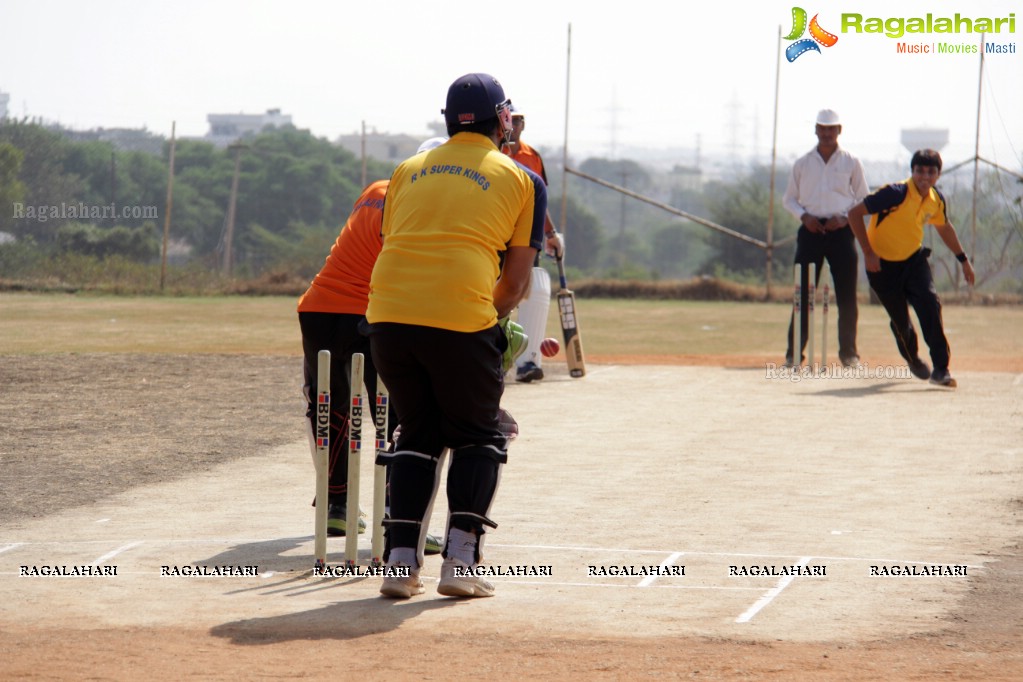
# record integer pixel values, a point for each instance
(402, 587)
(457, 580)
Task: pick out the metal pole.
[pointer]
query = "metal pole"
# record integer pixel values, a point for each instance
(564, 148)
(170, 201)
(621, 227)
(769, 251)
(682, 214)
(976, 159)
(229, 237)
(364, 154)
(113, 187)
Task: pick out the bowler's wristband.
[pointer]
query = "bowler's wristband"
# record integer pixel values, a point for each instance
(961, 257)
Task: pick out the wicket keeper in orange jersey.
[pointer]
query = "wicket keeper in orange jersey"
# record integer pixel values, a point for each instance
(533, 308)
(329, 314)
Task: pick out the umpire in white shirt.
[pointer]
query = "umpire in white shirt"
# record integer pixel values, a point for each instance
(823, 186)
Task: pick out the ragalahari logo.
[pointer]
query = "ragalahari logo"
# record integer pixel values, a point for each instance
(817, 35)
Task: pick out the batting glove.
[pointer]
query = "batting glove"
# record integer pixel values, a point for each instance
(555, 246)
(517, 340)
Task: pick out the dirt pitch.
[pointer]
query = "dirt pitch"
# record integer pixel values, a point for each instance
(144, 461)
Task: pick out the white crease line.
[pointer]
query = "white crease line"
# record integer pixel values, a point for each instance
(512, 581)
(204, 541)
(727, 554)
(501, 581)
(113, 553)
(296, 550)
(770, 594)
(9, 547)
(648, 581)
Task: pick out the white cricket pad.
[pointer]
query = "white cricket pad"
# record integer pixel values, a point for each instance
(532, 316)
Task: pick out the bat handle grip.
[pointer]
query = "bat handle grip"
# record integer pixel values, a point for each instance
(561, 272)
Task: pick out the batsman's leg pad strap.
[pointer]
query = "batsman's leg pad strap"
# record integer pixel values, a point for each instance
(473, 480)
(532, 316)
(413, 481)
(492, 452)
(475, 519)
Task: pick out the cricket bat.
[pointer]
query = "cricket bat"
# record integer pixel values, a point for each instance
(570, 326)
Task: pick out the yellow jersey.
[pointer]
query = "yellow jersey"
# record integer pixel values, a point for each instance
(449, 214)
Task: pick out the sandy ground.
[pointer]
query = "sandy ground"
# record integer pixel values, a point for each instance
(709, 473)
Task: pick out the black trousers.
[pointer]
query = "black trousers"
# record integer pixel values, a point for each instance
(446, 387)
(839, 249)
(339, 333)
(901, 284)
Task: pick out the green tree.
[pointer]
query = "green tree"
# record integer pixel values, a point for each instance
(94, 164)
(42, 175)
(744, 206)
(141, 244)
(677, 249)
(12, 190)
(584, 237)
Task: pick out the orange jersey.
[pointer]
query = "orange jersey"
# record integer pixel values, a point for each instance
(342, 285)
(530, 158)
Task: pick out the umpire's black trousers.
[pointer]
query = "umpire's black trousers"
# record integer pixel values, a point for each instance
(839, 248)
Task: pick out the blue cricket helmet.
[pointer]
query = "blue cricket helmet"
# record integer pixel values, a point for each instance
(475, 97)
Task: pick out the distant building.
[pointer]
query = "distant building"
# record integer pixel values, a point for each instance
(686, 178)
(228, 128)
(924, 138)
(381, 146)
(4, 99)
(387, 147)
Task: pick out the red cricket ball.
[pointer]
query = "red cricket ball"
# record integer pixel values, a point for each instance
(550, 347)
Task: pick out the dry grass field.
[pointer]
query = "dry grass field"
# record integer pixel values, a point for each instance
(753, 333)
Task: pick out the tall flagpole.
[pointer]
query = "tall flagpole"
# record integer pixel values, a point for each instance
(774, 158)
(976, 158)
(564, 148)
(170, 202)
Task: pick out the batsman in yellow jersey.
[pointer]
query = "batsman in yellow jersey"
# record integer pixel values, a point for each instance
(462, 226)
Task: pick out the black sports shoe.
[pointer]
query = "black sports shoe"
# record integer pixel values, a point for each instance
(853, 361)
(920, 369)
(941, 377)
(529, 372)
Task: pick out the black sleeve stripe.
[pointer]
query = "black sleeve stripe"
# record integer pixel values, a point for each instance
(536, 238)
(886, 200)
(944, 204)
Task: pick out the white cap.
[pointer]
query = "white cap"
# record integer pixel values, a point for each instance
(432, 143)
(516, 111)
(828, 117)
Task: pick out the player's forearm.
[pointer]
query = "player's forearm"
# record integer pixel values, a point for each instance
(948, 234)
(548, 225)
(855, 216)
(518, 266)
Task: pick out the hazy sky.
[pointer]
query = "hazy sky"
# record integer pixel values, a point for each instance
(658, 74)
